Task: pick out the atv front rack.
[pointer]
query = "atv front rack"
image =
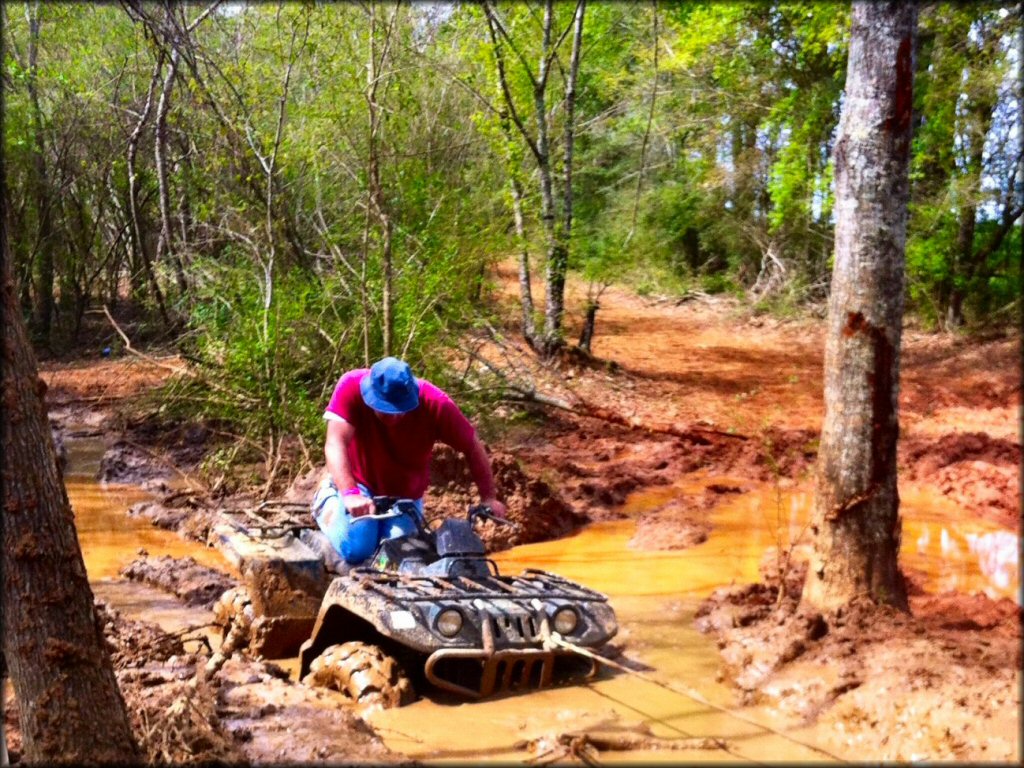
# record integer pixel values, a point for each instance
(531, 583)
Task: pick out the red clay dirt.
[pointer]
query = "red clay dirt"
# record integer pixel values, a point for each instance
(706, 387)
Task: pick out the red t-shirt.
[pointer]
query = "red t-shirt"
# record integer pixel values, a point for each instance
(394, 460)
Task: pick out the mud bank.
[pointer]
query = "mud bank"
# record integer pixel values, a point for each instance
(939, 683)
(248, 712)
(192, 583)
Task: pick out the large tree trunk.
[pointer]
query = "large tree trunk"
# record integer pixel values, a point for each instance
(70, 707)
(856, 524)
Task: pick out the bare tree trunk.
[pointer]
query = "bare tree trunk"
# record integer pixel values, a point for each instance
(525, 287)
(44, 204)
(964, 262)
(133, 202)
(71, 710)
(554, 280)
(961, 261)
(374, 75)
(165, 245)
(516, 188)
(558, 262)
(589, 321)
(556, 235)
(856, 524)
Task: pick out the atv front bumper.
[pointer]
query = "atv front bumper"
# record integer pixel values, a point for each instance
(508, 669)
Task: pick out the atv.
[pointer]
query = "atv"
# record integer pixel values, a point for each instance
(432, 608)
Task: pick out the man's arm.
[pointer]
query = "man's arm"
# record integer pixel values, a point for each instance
(339, 435)
(480, 466)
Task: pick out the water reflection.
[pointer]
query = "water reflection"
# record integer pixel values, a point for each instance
(940, 546)
(998, 555)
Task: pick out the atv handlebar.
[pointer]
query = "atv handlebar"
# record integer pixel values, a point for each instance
(483, 511)
(389, 506)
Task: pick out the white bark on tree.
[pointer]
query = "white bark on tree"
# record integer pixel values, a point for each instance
(856, 524)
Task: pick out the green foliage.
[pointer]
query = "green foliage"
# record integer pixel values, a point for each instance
(264, 380)
(964, 174)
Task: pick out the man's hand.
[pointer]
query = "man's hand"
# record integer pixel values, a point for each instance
(497, 508)
(357, 505)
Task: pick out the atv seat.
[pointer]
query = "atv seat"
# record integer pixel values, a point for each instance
(316, 541)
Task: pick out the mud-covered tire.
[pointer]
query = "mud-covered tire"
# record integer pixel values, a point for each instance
(234, 613)
(363, 673)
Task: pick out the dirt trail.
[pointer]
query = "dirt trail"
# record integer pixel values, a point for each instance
(705, 390)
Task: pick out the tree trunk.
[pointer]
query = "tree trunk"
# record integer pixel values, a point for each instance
(556, 235)
(965, 262)
(378, 204)
(558, 256)
(962, 258)
(856, 524)
(138, 241)
(165, 245)
(589, 321)
(554, 282)
(71, 709)
(525, 288)
(44, 205)
(516, 189)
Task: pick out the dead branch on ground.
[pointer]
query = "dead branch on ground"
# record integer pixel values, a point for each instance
(517, 385)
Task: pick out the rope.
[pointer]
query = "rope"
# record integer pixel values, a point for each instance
(555, 639)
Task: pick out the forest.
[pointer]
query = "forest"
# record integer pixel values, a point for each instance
(730, 293)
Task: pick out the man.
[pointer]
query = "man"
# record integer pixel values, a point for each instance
(382, 424)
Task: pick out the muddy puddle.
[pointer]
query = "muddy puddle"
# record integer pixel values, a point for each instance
(677, 704)
(111, 539)
(654, 601)
(655, 594)
(940, 550)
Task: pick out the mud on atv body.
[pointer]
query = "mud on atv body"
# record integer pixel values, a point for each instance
(436, 603)
(284, 578)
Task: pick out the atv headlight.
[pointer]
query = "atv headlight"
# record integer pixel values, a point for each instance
(449, 622)
(565, 621)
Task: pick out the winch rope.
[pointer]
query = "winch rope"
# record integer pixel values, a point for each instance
(555, 639)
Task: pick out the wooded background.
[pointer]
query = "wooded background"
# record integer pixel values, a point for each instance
(287, 190)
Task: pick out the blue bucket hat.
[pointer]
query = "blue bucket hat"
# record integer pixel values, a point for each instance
(390, 387)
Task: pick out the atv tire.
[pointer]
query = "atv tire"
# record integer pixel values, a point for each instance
(363, 673)
(234, 613)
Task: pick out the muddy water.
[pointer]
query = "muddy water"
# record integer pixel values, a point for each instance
(110, 540)
(654, 594)
(944, 551)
